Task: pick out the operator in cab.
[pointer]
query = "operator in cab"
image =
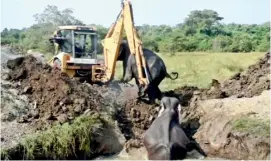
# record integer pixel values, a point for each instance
(57, 39)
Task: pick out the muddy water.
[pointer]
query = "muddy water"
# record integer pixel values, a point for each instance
(140, 154)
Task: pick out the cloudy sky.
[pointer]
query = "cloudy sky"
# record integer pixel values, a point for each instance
(19, 13)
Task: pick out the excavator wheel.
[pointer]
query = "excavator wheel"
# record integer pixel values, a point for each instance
(57, 64)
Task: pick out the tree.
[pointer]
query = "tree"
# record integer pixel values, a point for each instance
(53, 16)
(10, 36)
(203, 21)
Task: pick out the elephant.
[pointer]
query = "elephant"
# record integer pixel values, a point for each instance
(165, 139)
(155, 66)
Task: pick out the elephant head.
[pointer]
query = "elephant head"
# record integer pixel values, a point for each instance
(171, 104)
(124, 51)
(124, 56)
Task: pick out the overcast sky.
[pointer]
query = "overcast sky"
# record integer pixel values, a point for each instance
(19, 13)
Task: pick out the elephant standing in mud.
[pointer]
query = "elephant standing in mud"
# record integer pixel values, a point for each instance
(165, 139)
(155, 66)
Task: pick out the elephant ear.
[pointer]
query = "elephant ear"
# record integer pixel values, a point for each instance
(161, 110)
(179, 112)
(121, 53)
(121, 49)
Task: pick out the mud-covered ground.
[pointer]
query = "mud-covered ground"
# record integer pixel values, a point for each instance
(46, 96)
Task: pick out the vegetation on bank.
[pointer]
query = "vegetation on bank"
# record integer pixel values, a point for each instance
(253, 126)
(202, 30)
(60, 141)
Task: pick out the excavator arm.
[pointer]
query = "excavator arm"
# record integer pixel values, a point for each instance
(112, 42)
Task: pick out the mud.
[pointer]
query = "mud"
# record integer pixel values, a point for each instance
(135, 118)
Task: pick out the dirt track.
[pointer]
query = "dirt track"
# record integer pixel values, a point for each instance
(57, 99)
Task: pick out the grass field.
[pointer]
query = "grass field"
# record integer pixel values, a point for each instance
(198, 69)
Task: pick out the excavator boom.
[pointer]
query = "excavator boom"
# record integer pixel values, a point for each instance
(113, 39)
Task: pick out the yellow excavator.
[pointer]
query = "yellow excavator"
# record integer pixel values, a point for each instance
(77, 54)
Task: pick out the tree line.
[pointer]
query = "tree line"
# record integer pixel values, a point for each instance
(201, 30)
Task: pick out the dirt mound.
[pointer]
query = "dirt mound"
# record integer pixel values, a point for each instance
(54, 96)
(251, 82)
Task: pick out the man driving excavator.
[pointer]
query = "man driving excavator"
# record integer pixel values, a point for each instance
(57, 39)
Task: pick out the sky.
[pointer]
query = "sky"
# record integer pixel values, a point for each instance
(19, 13)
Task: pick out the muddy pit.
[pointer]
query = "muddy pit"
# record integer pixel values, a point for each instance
(55, 98)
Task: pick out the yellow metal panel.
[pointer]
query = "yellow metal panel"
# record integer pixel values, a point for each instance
(135, 44)
(70, 73)
(111, 47)
(112, 41)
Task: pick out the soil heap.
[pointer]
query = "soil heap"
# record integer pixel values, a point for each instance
(55, 97)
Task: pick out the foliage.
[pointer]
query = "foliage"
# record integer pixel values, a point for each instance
(64, 141)
(51, 15)
(254, 126)
(200, 31)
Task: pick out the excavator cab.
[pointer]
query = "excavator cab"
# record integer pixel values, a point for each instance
(78, 41)
(77, 53)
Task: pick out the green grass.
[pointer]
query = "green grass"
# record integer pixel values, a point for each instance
(198, 68)
(254, 126)
(62, 141)
(4, 155)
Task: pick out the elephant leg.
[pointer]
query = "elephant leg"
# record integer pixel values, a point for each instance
(141, 92)
(158, 93)
(128, 77)
(154, 93)
(128, 74)
(151, 94)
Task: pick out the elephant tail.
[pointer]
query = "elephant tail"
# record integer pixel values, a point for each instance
(174, 73)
